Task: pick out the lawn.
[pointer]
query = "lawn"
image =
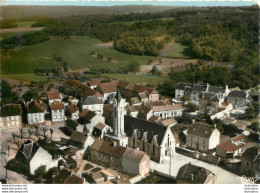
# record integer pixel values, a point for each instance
(25, 77)
(178, 51)
(136, 78)
(25, 24)
(74, 51)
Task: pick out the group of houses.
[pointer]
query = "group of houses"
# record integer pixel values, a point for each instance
(123, 126)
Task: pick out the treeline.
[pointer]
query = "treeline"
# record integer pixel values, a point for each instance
(24, 40)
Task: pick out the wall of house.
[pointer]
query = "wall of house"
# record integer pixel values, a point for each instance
(52, 100)
(221, 153)
(41, 157)
(11, 121)
(57, 115)
(214, 139)
(179, 94)
(154, 97)
(75, 115)
(239, 103)
(196, 142)
(194, 96)
(35, 118)
(164, 144)
(166, 114)
(224, 113)
(97, 108)
(144, 168)
(130, 166)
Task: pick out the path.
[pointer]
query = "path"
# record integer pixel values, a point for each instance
(222, 176)
(166, 49)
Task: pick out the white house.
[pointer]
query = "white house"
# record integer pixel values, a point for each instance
(11, 115)
(88, 120)
(238, 99)
(35, 113)
(73, 111)
(57, 112)
(107, 90)
(168, 111)
(54, 96)
(100, 130)
(36, 156)
(228, 150)
(94, 104)
(202, 137)
(180, 90)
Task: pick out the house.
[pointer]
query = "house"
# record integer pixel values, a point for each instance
(94, 83)
(154, 139)
(228, 150)
(94, 104)
(107, 90)
(97, 177)
(135, 101)
(166, 122)
(54, 96)
(107, 154)
(191, 174)
(35, 113)
(166, 111)
(72, 111)
(88, 120)
(57, 112)
(133, 111)
(11, 116)
(136, 162)
(35, 156)
(202, 137)
(196, 91)
(227, 121)
(81, 90)
(61, 176)
(238, 98)
(238, 140)
(181, 90)
(100, 129)
(241, 125)
(71, 125)
(250, 162)
(209, 103)
(74, 179)
(80, 140)
(145, 113)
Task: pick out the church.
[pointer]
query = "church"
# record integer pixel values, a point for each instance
(152, 138)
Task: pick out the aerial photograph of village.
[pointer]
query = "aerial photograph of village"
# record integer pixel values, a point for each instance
(129, 93)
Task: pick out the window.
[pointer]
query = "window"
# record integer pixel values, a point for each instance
(197, 139)
(191, 137)
(153, 149)
(12, 118)
(143, 146)
(134, 142)
(203, 141)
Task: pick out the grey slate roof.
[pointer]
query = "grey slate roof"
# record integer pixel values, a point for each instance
(78, 137)
(237, 94)
(215, 89)
(29, 148)
(210, 96)
(251, 153)
(182, 85)
(152, 129)
(91, 100)
(198, 88)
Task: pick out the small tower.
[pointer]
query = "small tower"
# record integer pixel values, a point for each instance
(118, 114)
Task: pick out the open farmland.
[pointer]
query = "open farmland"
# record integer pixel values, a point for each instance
(74, 51)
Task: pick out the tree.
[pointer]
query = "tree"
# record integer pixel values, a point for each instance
(39, 172)
(190, 107)
(29, 95)
(44, 130)
(22, 132)
(30, 133)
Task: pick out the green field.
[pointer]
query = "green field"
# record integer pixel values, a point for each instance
(25, 77)
(75, 52)
(178, 51)
(136, 78)
(24, 24)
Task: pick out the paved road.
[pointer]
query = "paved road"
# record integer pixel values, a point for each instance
(222, 176)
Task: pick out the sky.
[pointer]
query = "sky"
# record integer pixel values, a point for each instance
(113, 3)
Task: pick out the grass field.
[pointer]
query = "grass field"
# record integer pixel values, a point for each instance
(136, 78)
(178, 51)
(75, 52)
(25, 24)
(25, 77)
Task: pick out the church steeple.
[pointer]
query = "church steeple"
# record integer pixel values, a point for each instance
(118, 114)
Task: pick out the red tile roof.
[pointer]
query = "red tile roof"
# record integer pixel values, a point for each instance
(94, 82)
(57, 105)
(81, 89)
(228, 146)
(72, 108)
(107, 87)
(53, 95)
(238, 138)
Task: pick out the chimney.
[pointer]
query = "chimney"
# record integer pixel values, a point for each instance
(207, 87)
(114, 143)
(193, 121)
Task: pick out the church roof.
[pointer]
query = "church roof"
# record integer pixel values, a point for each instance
(152, 129)
(118, 96)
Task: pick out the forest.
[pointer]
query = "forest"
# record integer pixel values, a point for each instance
(223, 34)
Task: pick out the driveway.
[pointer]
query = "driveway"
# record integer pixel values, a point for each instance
(222, 176)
